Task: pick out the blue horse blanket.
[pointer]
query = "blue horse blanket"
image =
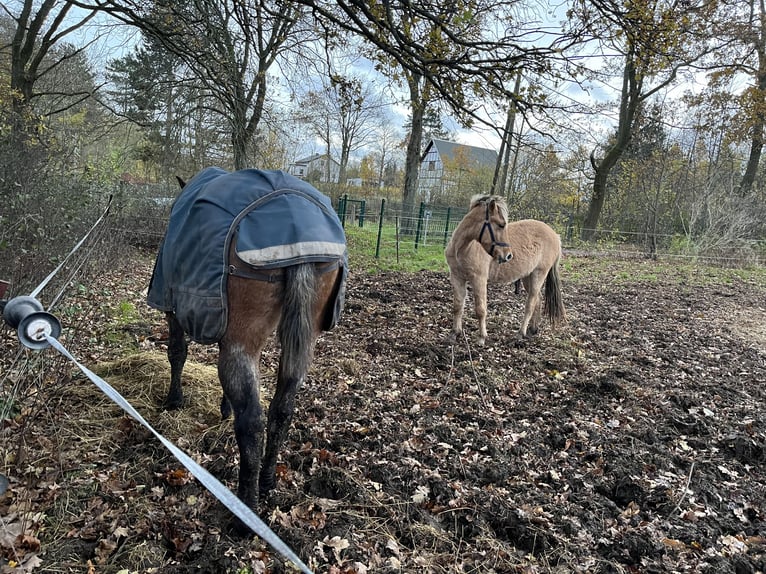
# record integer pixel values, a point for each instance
(274, 219)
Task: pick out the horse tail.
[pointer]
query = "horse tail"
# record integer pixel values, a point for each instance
(554, 304)
(296, 326)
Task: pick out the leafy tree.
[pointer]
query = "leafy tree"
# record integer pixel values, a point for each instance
(433, 127)
(345, 109)
(652, 38)
(229, 46)
(367, 169)
(148, 92)
(740, 27)
(46, 134)
(461, 49)
(543, 189)
(38, 29)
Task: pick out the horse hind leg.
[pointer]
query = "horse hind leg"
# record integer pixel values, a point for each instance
(305, 299)
(530, 321)
(177, 352)
(239, 379)
(459, 292)
(253, 314)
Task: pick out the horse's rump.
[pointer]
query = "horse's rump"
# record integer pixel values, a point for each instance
(534, 244)
(270, 219)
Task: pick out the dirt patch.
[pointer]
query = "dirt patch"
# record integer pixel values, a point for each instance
(750, 324)
(632, 439)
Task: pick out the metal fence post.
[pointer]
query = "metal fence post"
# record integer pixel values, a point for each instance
(446, 227)
(362, 205)
(342, 201)
(420, 224)
(380, 228)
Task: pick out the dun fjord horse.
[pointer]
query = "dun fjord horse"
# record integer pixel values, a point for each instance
(486, 248)
(246, 253)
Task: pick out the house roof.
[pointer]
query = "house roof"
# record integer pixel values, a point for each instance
(308, 159)
(447, 149)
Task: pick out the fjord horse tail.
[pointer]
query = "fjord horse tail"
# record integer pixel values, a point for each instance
(296, 327)
(554, 304)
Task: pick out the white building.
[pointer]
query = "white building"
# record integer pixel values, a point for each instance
(316, 167)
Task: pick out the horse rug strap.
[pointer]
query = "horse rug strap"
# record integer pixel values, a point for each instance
(273, 219)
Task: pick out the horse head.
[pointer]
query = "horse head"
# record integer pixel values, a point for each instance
(493, 230)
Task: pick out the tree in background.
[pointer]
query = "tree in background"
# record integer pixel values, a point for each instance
(713, 214)
(433, 128)
(230, 47)
(346, 110)
(385, 154)
(644, 199)
(148, 90)
(39, 29)
(457, 53)
(45, 90)
(654, 40)
(685, 184)
(543, 189)
(741, 25)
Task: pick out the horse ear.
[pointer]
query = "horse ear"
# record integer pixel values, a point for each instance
(495, 207)
(181, 182)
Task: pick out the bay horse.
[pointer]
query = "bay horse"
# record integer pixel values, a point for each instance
(486, 248)
(277, 260)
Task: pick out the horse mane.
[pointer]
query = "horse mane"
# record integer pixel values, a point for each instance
(482, 198)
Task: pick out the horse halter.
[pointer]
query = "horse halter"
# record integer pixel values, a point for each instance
(488, 226)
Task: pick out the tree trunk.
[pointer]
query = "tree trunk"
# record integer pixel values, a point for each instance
(501, 169)
(345, 151)
(382, 166)
(239, 146)
(246, 126)
(168, 147)
(756, 142)
(629, 102)
(412, 159)
(498, 186)
(756, 147)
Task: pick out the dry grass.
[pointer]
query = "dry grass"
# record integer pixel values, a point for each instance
(144, 377)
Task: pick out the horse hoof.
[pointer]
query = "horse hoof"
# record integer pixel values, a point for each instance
(225, 409)
(173, 404)
(239, 528)
(265, 486)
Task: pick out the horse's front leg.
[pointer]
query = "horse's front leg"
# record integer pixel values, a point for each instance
(480, 307)
(177, 351)
(459, 292)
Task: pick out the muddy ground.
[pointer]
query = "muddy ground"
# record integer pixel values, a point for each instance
(632, 439)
